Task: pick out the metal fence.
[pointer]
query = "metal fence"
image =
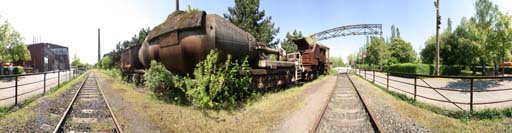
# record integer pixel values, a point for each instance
(416, 77)
(68, 74)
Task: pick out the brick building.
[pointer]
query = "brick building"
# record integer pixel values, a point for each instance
(48, 57)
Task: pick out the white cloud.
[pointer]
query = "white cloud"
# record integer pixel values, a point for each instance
(75, 23)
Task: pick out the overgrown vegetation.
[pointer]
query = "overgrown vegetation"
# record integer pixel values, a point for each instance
(215, 84)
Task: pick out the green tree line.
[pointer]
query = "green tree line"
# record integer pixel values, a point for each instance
(482, 39)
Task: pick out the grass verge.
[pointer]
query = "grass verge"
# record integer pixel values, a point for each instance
(440, 119)
(258, 115)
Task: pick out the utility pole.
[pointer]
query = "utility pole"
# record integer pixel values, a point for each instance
(177, 5)
(99, 53)
(438, 26)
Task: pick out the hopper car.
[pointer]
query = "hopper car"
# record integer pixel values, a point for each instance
(184, 39)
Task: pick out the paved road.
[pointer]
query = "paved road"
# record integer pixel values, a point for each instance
(455, 96)
(33, 87)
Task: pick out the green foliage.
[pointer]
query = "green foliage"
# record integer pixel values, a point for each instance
(137, 39)
(287, 44)
(377, 49)
(12, 47)
(402, 51)
(485, 38)
(422, 69)
(165, 84)
(218, 84)
(76, 61)
(246, 15)
(18, 70)
(191, 10)
(351, 59)
(106, 63)
(337, 62)
(215, 84)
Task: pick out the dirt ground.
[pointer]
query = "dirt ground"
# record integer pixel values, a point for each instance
(129, 119)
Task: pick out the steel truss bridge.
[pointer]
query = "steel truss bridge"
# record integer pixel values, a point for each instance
(349, 30)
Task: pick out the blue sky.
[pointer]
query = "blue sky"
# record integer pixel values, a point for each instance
(74, 23)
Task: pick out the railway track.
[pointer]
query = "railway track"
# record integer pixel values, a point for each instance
(346, 110)
(88, 111)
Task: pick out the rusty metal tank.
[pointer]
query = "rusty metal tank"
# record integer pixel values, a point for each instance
(185, 39)
(130, 59)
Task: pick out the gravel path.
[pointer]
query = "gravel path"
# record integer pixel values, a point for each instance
(379, 103)
(380, 79)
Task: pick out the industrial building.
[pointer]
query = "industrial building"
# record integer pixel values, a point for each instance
(48, 57)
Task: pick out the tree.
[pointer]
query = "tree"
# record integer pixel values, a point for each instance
(76, 62)
(393, 31)
(351, 59)
(246, 15)
(12, 47)
(373, 50)
(106, 62)
(502, 37)
(402, 51)
(137, 39)
(287, 44)
(337, 62)
(448, 51)
(485, 17)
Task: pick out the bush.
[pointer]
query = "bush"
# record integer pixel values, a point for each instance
(215, 84)
(422, 69)
(18, 70)
(162, 83)
(447, 70)
(219, 84)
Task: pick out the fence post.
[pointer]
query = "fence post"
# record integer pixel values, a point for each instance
(415, 77)
(16, 90)
(365, 74)
(471, 96)
(58, 78)
(44, 83)
(387, 80)
(373, 76)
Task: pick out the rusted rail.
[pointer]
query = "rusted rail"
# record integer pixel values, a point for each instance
(372, 119)
(69, 109)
